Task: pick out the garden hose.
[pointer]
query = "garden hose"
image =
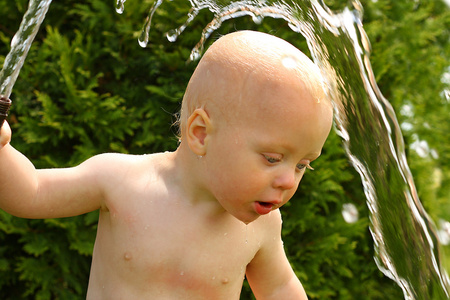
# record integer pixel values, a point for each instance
(5, 104)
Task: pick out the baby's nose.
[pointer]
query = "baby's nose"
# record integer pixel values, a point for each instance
(286, 181)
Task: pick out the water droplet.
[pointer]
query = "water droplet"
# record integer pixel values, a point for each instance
(120, 6)
(350, 213)
(257, 19)
(172, 35)
(246, 234)
(143, 39)
(195, 54)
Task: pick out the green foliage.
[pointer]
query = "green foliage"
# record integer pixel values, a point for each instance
(87, 87)
(45, 259)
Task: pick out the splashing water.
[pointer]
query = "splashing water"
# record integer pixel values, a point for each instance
(21, 43)
(407, 248)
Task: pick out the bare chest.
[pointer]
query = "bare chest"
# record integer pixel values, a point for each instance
(163, 249)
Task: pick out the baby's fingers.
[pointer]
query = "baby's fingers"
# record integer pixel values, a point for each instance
(5, 134)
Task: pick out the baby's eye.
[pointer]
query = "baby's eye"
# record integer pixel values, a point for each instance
(271, 159)
(302, 166)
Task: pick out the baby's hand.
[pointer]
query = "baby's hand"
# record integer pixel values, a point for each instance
(5, 134)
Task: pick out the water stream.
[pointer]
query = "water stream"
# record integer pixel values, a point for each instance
(406, 244)
(21, 43)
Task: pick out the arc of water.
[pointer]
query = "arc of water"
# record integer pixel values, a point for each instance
(20, 45)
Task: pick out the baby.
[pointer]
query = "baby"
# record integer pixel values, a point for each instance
(192, 223)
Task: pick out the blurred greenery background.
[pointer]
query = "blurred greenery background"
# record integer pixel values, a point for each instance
(87, 87)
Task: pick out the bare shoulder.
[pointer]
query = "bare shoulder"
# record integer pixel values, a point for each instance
(270, 226)
(117, 164)
(269, 234)
(112, 159)
(271, 244)
(123, 175)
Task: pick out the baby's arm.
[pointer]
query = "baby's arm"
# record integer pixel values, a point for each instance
(30, 193)
(269, 274)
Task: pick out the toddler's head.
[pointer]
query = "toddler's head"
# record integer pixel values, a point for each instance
(256, 112)
(240, 63)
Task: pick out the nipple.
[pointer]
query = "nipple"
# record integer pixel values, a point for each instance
(127, 256)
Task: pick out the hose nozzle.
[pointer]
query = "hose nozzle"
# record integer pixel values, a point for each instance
(5, 104)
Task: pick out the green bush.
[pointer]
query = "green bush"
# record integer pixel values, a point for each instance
(87, 87)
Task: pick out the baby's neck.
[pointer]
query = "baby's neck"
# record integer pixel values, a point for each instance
(188, 172)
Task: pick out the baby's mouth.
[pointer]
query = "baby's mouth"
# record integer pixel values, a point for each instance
(266, 204)
(263, 208)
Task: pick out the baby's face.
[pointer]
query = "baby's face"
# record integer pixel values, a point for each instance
(260, 152)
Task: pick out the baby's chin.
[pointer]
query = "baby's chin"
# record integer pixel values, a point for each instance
(247, 219)
(246, 222)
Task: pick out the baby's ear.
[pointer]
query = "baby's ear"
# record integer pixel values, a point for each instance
(198, 128)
